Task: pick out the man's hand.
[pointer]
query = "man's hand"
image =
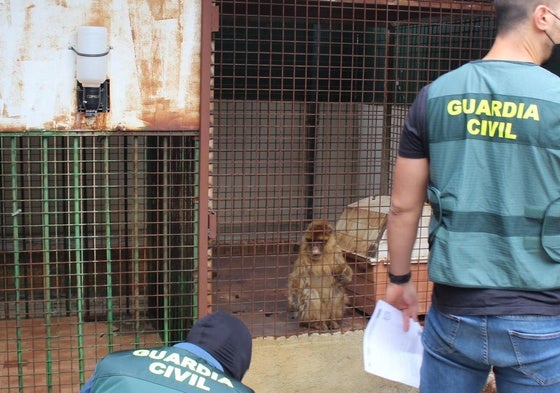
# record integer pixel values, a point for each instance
(404, 297)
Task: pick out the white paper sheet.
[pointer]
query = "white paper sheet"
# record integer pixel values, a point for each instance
(389, 351)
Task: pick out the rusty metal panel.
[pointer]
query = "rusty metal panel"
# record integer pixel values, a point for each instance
(153, 66)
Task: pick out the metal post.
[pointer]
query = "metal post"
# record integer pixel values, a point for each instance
(107, 198)
(136, 241)
(46, 261)
(196, 229)
(165, 243)
(79, 256)
(17, 273)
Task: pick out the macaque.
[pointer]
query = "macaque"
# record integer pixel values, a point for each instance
(316, 286)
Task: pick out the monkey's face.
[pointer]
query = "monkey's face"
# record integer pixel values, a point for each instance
(315, 247)
(316, 239)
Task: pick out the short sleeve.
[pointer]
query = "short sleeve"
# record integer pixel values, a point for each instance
(414, 139)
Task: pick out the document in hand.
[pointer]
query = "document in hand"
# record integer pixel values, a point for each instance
(389, 351)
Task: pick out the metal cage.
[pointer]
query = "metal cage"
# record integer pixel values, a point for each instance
(118, 239)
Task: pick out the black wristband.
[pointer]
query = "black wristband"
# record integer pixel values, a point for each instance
(400, 279)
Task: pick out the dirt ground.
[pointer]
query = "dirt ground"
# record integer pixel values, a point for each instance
(317, 363)
(287, 357)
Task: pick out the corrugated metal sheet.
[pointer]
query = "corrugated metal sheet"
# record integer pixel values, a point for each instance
(153, 67)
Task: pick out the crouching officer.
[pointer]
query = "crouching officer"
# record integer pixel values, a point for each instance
(214, 358)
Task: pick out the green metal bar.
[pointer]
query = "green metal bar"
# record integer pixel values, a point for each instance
(179, 266)
(187, 290)
(107, 196)
(165, 235)
(196, 232)
(17, 273)
(46, 262)
(79, 257)
(136, 240)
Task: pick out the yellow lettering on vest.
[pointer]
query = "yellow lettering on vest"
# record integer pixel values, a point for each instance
(509, 109)
(508, 133)
(521, 110)
(483, 108)
(491, 129)
(469, 105)
(473, 126)
(454, 107)
(493, 108)
(532, 113)
(497, 108)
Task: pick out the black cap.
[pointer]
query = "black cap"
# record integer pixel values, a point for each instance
(227, 339)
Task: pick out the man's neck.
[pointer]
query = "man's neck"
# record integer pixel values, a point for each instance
(514, 48)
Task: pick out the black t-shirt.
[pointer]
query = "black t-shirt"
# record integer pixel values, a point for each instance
(469, 301)
(414, 138)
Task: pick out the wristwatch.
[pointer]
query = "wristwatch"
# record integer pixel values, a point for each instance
(403, 279)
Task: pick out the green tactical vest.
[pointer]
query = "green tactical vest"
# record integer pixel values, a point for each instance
(161, 370)
(494, 148)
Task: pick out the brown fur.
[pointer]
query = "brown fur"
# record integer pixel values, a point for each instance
(490, 384)
(316, 286)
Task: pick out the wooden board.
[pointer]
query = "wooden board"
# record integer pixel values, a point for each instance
(370, 281)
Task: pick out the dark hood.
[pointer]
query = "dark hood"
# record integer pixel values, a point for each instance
(227, 339)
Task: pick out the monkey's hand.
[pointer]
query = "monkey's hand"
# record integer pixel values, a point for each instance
(345, 276)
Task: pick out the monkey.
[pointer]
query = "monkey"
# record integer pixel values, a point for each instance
(316, 285)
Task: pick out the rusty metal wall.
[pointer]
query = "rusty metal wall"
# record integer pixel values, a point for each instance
(309, 101)
(153, 65)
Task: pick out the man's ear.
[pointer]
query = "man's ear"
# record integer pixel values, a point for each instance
(542, 17)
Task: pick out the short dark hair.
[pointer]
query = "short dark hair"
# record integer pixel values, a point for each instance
(510, 13)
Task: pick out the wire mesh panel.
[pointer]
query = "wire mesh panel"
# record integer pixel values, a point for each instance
(99, 232)
(97, 253)
(309, 101)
